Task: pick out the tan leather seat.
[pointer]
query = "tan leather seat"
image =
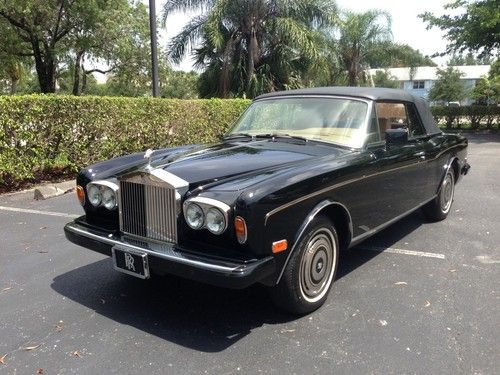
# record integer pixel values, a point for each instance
(383, 124)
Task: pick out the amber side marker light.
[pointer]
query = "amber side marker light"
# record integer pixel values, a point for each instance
(280, 246)
(240, 228)
(80, 193)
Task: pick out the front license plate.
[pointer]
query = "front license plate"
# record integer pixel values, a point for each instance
(131, 262)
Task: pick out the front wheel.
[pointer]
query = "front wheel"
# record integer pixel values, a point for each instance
(438, 208)
(310, 271)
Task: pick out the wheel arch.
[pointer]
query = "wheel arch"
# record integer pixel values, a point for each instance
(341, 218)
(453, 162)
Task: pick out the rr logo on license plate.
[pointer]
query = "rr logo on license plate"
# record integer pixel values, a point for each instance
(130, 261)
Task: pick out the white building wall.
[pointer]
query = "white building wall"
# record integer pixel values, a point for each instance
(428, 76)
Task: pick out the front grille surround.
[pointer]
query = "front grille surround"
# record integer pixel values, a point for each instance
(148, 207)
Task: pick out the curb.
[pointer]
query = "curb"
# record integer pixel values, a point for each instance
(43, 191)
(51, 190)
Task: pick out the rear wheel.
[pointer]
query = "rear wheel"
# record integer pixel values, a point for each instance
(310, 271)
(438, 208)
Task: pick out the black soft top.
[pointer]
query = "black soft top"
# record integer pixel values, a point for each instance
(371, 93)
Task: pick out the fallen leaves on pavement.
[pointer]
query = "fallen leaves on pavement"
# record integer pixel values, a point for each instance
(59, 326)
(2, 359)
(28, 348)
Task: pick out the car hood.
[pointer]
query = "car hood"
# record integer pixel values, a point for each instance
(219, 162)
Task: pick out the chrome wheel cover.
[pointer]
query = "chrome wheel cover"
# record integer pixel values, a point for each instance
(317, 265)
(447, 190)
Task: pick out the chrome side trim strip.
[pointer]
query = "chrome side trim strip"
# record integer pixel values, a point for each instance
(365, 235)
(111, 241)
(306, 197)
(327, 189)
(335, 186)
(306, 223)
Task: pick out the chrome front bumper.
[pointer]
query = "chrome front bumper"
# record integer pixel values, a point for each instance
(170, 259)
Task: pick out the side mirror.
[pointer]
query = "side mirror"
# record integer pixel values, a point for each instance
(396, 136)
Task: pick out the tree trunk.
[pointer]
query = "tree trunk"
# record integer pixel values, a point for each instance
(45, 67)
(84, 81)
(13, 85)
(76, 77)
(225, 76)
(251, 62)
(353, 73)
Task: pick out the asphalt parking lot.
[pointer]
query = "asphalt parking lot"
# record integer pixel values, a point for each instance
(416, 298)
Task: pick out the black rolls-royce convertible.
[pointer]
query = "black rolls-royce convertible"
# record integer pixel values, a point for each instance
(301, 175)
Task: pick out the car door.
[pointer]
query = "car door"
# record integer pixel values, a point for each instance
(401, 180)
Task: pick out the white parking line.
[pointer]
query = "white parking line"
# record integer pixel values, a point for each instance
(368, 248)
(401, 251)
(37, 212)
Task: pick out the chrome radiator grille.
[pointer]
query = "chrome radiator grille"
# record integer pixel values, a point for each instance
(148, 211)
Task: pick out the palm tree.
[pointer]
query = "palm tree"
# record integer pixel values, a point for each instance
(360, 33)
(248, 47)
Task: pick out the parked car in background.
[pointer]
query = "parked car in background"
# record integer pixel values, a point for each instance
(301, 176)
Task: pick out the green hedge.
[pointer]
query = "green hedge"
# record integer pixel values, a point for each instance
(43, 136)
(474, 117)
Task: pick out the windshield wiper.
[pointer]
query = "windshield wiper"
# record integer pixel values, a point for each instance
(281, 135)
(238, 135)
(265, 135)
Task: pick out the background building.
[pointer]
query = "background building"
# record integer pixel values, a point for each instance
(420, 80)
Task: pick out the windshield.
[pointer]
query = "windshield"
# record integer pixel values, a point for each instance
(336, 120)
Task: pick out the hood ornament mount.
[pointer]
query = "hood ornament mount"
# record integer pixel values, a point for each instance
(147, 155)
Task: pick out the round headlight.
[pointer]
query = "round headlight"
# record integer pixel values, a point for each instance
(94, 195)
(108, 198)
(216, 222)
(194, 216)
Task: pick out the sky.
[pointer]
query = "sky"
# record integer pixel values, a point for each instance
(406, 26)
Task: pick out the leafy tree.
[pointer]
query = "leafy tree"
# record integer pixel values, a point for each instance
(67, 33)
(468, 59)
(495, 70)
(119, 37)
(476, 29)
(12, 66)
(179, 85)
(383, 78)
(42, 30)
(388, 54)
(249, 47)
(448, 87)
(360, 34)
(487, 89)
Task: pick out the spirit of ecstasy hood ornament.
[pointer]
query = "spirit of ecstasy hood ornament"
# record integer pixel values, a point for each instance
(147, 155)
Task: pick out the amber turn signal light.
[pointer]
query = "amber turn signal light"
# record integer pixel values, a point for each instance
(280, 246)
(241, 229)
(80, 193)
